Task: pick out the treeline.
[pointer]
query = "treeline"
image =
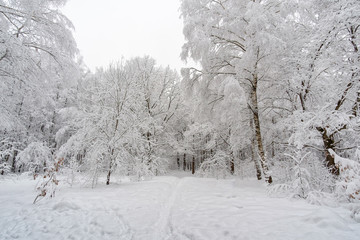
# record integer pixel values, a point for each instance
(278, 87)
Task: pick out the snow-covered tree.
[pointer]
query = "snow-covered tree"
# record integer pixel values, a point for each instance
(104, 121)
(120, 120)
(37, 65)
(36, 158)
(238, 39)
(322, 72)
(159, 90)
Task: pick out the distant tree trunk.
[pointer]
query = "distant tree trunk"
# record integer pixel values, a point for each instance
(13, 164)
(232, 163)
(108, 178)
(193, 157)
(193, 165)
(178, 160)
(148, 134)
(255, 111)
(232, 166)
(184, 163)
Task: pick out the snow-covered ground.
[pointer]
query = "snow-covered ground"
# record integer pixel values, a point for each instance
(168, 207)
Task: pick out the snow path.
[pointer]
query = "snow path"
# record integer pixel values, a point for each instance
(163, 228)
(167, 208)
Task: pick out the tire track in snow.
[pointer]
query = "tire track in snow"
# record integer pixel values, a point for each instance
(163, 227)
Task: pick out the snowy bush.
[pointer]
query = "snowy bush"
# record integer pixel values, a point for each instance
(36, 158)
(71, 170)
(303, 176)
(279, 190)
(216, 166)
(47, 185)
(354, 208)
(321, 199)
(141, 170)
(298, 185)
(4, 168)
(95, 166)
(349, 179)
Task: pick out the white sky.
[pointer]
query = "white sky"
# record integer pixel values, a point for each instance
(106, 30)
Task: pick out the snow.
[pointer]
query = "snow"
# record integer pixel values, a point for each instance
(167, 207)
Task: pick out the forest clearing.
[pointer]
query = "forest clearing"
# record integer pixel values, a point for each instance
(168, 207)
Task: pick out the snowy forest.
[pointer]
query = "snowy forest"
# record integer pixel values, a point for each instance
(273, 96)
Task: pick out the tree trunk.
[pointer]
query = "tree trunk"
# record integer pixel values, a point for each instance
(178, 160)
(13, 164)
(232, 166)
(356, 107)
(232, 163)
(148, 134)
(193, 165)
(329, 143)
(253, 158)
(255, 110)
(110, 168)
(109, 173)
(108, 178)
(184, 163)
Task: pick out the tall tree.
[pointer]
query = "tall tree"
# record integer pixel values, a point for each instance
(232, 38)
(37, 61)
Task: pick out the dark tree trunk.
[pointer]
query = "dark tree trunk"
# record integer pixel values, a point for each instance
(356, 107)
(13, 165)
(232, 163)
(108, 178)
(329, 143)
(193, 165)
(109, 173)
(110, 168)
(184, 163)
(148, 134)
(232, 166)
(178, 160)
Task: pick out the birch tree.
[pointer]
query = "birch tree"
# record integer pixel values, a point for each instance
(230, 38)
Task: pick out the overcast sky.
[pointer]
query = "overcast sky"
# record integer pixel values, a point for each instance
(108, 29)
